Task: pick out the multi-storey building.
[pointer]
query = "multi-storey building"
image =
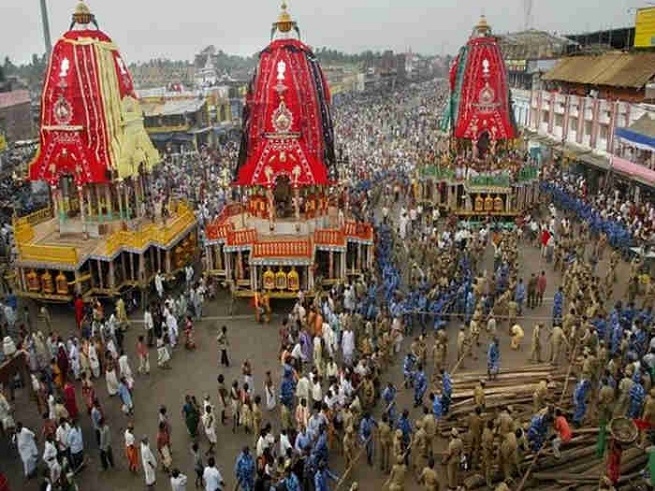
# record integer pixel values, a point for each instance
(594, 111)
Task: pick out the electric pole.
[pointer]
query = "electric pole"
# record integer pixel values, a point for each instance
(46, 28)
(527, 14)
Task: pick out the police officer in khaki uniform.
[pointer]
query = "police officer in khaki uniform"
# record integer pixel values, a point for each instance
(429, 478)
(452, 458)
(430, 427)
(421, 446)
(349, 446)
(397, 478)
(385, 440)
(488, 452)
(475, 424)
(397, 446)
(508, 454)
(478, 394)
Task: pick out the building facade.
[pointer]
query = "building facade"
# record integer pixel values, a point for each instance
(607, 135)
(177, 121)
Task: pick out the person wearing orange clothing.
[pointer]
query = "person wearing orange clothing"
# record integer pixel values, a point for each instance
(318, 325)
(131, 452)
(311, 317)
(562, 431)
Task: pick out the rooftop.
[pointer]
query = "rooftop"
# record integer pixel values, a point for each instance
(613, 69)
(172, 106)
(533, 45)
(644, 126)
(14, 98)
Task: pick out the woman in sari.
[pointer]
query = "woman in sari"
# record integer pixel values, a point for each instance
(189, 342)
(131, 453)
(62, 362)
(164, 446)
(191, 414)
(57, 376)
(110, 376)
(84, 359)
(100, 350)
(88, 393)
(94, 360)
(269, 390)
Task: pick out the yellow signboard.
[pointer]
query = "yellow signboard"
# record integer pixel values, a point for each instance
(645, 28)
(3, 142)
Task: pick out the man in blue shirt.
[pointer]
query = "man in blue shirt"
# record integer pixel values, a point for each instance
(437, 408)
(389, 398)
(302, 441)
(366, 434)
(76, 446)
(290, 480)
(245, 470)
(420, 385)
(321, 477)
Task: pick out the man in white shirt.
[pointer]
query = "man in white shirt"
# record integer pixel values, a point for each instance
(148, 325)
(302, 388)
(61, 435)
(178, 481)
(212, 477)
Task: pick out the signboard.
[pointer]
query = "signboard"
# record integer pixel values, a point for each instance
(3, 143)
(516, 65)
(645, 28)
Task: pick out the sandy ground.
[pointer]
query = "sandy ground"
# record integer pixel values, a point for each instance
(195, 373)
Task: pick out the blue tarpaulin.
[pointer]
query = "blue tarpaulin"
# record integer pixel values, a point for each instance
(640, 140)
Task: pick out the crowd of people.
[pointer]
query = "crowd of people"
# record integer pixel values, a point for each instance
(331, 398)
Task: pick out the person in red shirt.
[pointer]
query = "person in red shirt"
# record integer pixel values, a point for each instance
(70, 400)
(545, 237)
(562, 432)
(79, 311)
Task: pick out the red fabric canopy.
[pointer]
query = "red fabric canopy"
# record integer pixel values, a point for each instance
(484, 98)
(287, 121)
(76, 136)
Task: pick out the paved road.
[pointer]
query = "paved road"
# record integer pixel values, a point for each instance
(196, 372)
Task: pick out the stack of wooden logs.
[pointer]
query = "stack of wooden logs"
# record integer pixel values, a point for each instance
(578, 468)
(510, 388)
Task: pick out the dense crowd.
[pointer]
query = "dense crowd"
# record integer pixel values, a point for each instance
(331, 394)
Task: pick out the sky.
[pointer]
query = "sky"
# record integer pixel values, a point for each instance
(146, 29)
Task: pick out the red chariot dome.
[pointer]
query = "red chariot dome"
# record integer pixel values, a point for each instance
(480, 101)
(91, 120)
(287, 123)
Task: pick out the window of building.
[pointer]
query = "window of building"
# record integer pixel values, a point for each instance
(573, 124)
(603, 132)
(559, 120)
(545, 116)
(587, 128)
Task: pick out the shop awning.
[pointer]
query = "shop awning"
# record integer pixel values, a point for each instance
(199, 131)
(160, 137)
(182, 138)
(595, 160)
(636, 171)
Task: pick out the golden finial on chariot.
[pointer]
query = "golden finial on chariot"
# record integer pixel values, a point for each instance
(82, 15)
(284, 23)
